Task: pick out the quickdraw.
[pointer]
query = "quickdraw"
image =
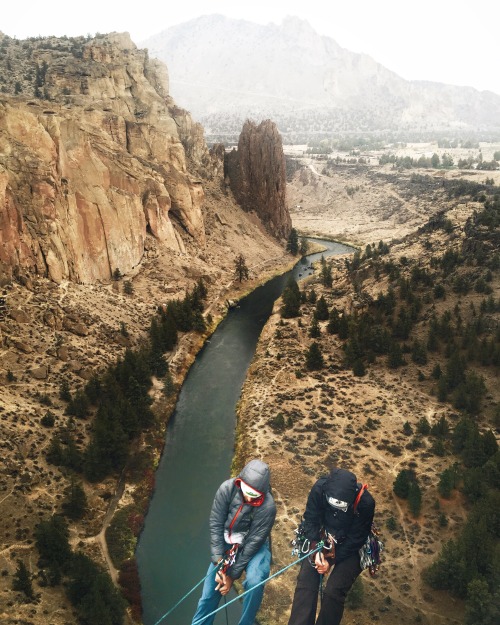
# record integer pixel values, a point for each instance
(300, 543)
(370, 552)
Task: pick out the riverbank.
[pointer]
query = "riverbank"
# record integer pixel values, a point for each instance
(138, 484)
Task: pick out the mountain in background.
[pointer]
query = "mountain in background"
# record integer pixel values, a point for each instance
(226, 70)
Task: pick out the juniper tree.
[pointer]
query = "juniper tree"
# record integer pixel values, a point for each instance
(22, 581)
(314, 331)
(304, 246)
(291, 299)
(314, 358)
(326, 275)
(401, 485)
(333, 321)
(292, 245)
(240, 268)
(414, 498)
(321, 311)
(75, 502)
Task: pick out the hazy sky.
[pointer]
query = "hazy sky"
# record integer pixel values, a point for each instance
(450, 41)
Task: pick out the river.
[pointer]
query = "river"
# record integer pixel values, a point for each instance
(173, 550)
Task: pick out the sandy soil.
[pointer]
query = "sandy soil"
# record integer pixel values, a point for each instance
(327, 412)
(67, 331)
(50, 333)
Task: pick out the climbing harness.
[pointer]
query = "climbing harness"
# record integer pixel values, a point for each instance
(302, 545)
(226, 605)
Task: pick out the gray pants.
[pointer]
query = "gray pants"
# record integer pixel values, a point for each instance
(305, 599)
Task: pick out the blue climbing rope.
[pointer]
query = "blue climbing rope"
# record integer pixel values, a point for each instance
(212, 572)
(318, 548)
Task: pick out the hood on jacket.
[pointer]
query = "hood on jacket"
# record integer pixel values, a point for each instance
(340, 488)
(257, 475)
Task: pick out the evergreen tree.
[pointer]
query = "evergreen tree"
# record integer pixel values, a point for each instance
(449, 570)
(343, 331)
(482, 606)
(75, 502)
(455, 371)
(321, 311)
(447, 482)
(169, 387)
(93, 389)
(240, 268)
(401, 486)
(314, 358)
(419, 353)
(414, 498)
(103, 604)
(291, 299)
(326, 276)
(55, 452)
(79, 405)
(314, 331)
(358, 368)
(52, 541)
(312, 297)
(64, 390)
(304, 246)
(423, 426)
(292, 245)
(22, 581)
(395, 357)
(436, 372)
(92, 592)
(440, 428)
(333, 321)
(128, 287)
(468, 396)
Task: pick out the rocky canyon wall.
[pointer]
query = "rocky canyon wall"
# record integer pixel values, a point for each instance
(257, 176)
(92, 159)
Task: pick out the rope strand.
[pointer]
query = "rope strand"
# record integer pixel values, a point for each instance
(219, 564)
(318, 548)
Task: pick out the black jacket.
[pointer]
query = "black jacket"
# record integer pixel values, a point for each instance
(330, 506)
(231, 515)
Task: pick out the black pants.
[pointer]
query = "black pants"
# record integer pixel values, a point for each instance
(338, 585)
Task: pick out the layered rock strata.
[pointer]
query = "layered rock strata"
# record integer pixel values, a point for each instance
(96, 162)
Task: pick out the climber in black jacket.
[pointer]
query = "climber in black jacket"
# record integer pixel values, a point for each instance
(331, 514)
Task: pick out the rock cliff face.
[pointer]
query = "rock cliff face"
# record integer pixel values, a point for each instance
(257, 176)
(98, 158)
